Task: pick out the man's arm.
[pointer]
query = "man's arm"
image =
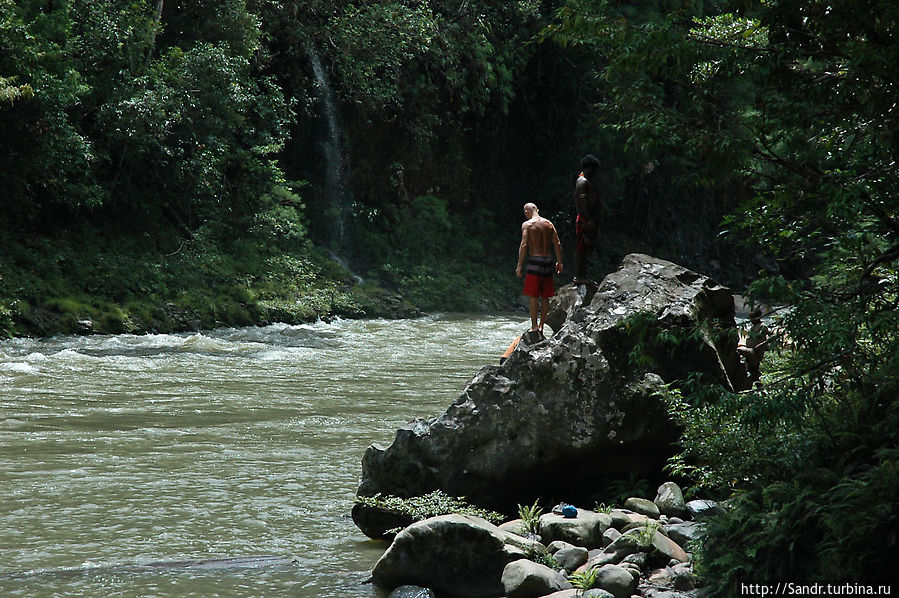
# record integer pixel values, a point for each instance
(558, 246)
(522, 249)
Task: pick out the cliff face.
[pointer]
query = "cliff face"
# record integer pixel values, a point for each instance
(572, 407)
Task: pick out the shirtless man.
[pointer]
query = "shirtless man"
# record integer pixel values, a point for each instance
(537, 234)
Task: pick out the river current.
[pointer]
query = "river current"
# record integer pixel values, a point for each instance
(125, 460)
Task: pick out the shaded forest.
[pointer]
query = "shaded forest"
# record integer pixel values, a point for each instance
(175, 164)
(170, 164)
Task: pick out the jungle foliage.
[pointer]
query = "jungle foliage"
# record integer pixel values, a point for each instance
(162, 166)
(792, 104)
(153, 151)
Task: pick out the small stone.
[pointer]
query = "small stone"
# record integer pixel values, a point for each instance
(516, 526)
(620, 518)
(412, 592)
(642, 506)
(526, 579)
(609, 536)
(670, 500)
(638, 559)
(616, 580)
(620, 548)
(557, 545)
(684, 581)
(571, 558)
(682, 568)
(661, 577)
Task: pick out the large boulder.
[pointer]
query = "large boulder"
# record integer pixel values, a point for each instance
(586, 529)
(454, 555)
(573, 406)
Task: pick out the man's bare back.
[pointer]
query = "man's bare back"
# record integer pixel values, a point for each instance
(538, 233)
(538, 238)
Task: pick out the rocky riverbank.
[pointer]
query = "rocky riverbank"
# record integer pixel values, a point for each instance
(561, 415)
(643, 549)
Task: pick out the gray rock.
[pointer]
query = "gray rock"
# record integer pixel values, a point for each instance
(656, 593)
(616, 580)
(638, 559)
(684, 533)
(571, 558)
(666, 549)
(661, 577)
(591, 593)
(516, 526)
(670, 500)
(678, 568)
(567, 408)
(684, 581)
(454, 555)
(412, 592)
(376, 521)
(567, 302)
(634, 571)
(622, 518)
(526, 579)
(558, 545)
(616, 551)
(642, 506)
(585, 530)
(609, 536)
(701, 510)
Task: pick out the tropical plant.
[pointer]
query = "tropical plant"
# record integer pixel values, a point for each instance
(584, 580)
(530, 516)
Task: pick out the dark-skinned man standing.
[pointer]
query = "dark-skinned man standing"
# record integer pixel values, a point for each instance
(586, 227)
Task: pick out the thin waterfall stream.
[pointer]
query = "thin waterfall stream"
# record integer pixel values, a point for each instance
(335, 189)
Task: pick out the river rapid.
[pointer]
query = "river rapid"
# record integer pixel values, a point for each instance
(122, 457)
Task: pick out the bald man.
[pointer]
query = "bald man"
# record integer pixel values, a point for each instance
(538, 236)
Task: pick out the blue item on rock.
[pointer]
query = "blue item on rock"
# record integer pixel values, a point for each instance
(569, 512)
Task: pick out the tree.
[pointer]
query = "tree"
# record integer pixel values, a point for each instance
(796, 102)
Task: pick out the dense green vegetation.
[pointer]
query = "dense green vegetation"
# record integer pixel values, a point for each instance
(791, 106)
(172, 153)
(169, 164)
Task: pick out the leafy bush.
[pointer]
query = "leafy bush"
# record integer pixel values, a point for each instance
(429, 505)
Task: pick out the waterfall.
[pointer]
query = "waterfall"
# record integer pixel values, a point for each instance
(335, 191)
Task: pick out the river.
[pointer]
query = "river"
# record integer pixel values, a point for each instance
(118, 453)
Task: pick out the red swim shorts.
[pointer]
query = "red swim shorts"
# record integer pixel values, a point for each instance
(583, 240)
(538, 286)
